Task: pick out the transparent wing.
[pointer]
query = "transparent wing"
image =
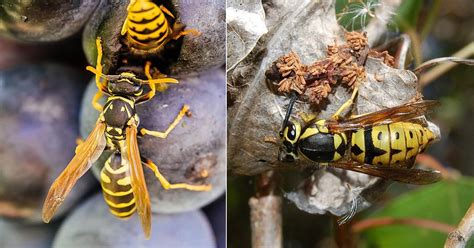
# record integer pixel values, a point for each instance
(400, 174)
(403, 112)
(137, 177)
(86, 154)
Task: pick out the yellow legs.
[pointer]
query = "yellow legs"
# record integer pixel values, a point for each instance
(102, 86)
(154, 168)
(162, 80)
(170, 128)
(168, 185)
(336, 116)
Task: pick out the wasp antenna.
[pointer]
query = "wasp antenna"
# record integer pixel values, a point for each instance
(162, 81)
(288, 110)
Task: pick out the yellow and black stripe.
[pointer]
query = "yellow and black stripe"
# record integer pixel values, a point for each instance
(389, 144)
(146, 25)
(116, 186)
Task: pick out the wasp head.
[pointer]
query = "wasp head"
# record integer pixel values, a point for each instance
(126, 84)
(289, 136)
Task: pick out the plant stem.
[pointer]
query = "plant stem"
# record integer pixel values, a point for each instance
(459, 237)
(439, 70)
(388, 221)
(431, 162)
(265, 213)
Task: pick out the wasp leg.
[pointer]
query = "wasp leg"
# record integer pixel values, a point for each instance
(164, 134)
(194, 32)
(166, 11)
(124, 27)
(152, 82)
(102, 86)
(336, 116)
(178, 31)
(95, 101)
(167, 185)
(161, 85)
(307, 117)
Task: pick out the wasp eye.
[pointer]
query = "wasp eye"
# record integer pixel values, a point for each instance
(291, 133)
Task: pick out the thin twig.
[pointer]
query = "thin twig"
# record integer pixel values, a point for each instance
(431, 162)
(388, 221)
(415, 43)
(265, 213)
(439, 70)
(436, 61)
(459, 237)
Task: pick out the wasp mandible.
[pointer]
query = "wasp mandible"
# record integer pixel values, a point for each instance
(122, 177)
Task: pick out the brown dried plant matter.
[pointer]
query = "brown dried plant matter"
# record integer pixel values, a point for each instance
(343, 64)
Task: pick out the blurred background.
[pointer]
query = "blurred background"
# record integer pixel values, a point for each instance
(437, 29)
(44, 105)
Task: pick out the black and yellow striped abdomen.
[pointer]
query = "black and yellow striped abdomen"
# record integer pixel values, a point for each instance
(146, 25)
(389, 144)
(116, 186)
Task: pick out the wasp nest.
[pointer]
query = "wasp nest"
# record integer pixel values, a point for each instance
(343, 64)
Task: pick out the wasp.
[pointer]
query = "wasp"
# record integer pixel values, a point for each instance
(382, 143)
(116, 130)
(147, 28)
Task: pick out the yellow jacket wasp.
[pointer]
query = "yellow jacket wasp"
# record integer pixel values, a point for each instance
(122, 177)
(147, 28)
(383, 143)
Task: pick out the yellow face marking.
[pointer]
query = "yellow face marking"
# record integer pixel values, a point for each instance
(358, 139)
(124, 181)
(109, 128)
(122, 109)
(397, 141)
(123, 214)
(120, 205)
(104, 178)
(381, 140)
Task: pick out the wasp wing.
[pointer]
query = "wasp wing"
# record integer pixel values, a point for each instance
(86, 154)
(400, 174)
(140, 191)
(403, 112)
